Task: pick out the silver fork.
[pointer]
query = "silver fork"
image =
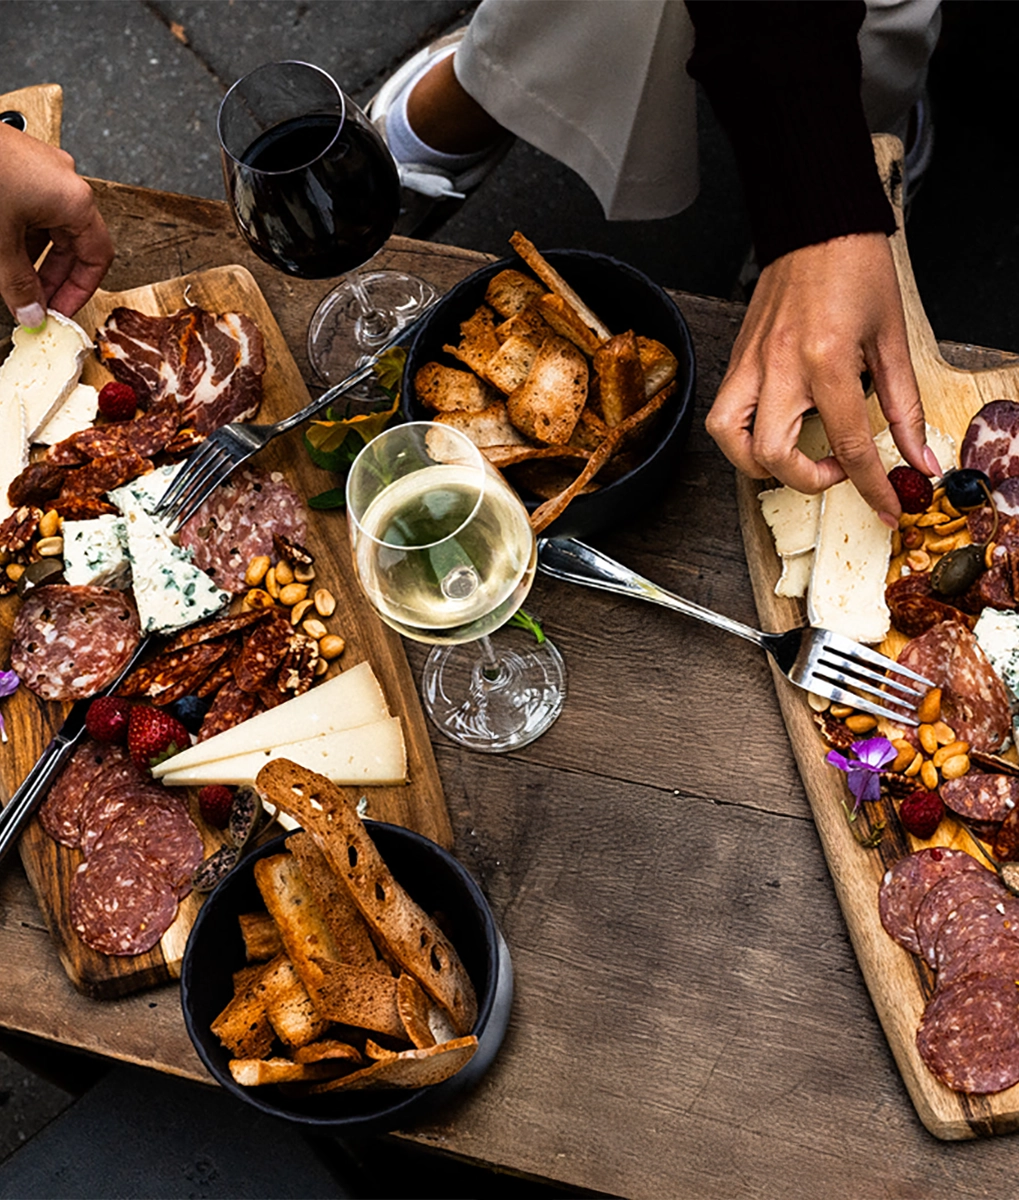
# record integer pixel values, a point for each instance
(224, 450)
(817, 660)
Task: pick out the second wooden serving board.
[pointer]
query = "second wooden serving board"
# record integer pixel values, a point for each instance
(31, 722)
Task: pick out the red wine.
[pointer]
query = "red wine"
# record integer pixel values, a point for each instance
(323, 196)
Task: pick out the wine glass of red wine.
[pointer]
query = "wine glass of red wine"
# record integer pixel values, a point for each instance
(316, 193)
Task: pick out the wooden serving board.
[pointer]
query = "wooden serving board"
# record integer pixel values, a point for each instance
(31, 722)
(899, 982)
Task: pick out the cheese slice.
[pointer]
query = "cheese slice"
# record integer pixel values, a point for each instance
(77, 412)
(13, 448)
(941, 443)
(795, 577)
(44, 368)
(367, 755)
(347, 701)
(792, 517)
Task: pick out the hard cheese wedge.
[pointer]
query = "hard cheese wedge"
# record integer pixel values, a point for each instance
(348, 700)
(369, 754)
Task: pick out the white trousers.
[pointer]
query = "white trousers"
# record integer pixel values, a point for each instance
(601, 85)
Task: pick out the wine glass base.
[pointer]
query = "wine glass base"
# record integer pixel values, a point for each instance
(494, 715)
(340, 339)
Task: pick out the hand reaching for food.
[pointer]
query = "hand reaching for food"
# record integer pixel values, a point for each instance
(42, 200)
(819, 317)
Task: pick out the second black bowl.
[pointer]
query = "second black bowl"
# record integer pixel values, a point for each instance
(624, 298)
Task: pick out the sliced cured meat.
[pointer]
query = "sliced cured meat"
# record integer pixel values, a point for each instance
(103, 807)
(237, 523)
(217, 627)
(82, 508)
(981, 797)
(263, 653)
(37, 483)
(987, 956)
(144, 435)
(944, 899)
(102, 475)
(976, 921)
(1006, 496)
(170, 676)
(969, 1035)
(974, 701)
(221, 675)
(71, 642)
(991, 443)
(230, 385)
(908, 882)
(165, 834)
(1005, 840)
(129, 345)
(60, 814)
(231, 706)
(120, 902)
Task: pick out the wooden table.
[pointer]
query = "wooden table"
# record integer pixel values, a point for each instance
(689, 1018)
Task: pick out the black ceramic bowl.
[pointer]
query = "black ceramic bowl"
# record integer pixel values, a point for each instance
(439, 884)
(624, 298)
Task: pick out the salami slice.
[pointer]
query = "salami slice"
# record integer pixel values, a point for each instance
(263, 653)
(215, 628)
(945, 899)
(170, 676)
(1006, 840)
(976, 921)
(974, 701)
(237, 522)
(60, 814)
(231, 706)
(71, 642)
(984, 956)
(914, 608)
(104, 806)
(104, 474)
(121, 903)
(1006, 496)
(981, 797)
(908, 882)
(165, 834)
(969, 1035)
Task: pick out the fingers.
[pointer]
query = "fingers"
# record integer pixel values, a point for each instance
(75, 267)
(895, 384)
(20, 287)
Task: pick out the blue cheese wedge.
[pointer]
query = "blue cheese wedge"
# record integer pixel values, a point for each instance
(997, 632)
(170, 591)
(95, 552)
(147, 490)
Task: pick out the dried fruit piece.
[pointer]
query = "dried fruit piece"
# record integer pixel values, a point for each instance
(118, 401)
(215, 803)
(921, 813)
(914, 489)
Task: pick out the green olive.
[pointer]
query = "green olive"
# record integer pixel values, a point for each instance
(958, 570)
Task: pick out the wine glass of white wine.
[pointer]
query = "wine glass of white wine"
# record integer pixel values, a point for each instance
(445, 553)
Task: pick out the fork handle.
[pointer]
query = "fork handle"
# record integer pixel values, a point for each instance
(566, 558)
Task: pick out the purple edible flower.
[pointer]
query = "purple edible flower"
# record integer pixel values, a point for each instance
(8, 685)
(863, 773)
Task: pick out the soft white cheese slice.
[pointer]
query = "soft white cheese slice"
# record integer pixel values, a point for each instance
(941, 443)
(13, 448)
(792, 518)
(347, 701)
(77, 412)
(367, 755)
(847, 584)
(795, 577)
(43, 368)
(95, 552)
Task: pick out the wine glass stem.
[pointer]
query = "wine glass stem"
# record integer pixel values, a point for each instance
(491, 668)
(374, 323)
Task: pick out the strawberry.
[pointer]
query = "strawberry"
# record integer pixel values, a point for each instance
(215, 803)
(915, 491)
(107, 719)
(153, 735)
(921, 813)
(117, 401)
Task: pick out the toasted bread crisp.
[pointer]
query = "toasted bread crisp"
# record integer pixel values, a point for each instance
(489, 428)
(528, 324)
(618, 387)
(448, 390)
(409, 1068)
(243, 1026)
(509, 456)
(328, 1048)
(355, 996)
(414, 1008)
(548, 403)
(288, 1006)
(256, 1072)
(477, 340)
(659, 364)
(261, 937)
(409, 934)
(511, 292)
(507, 368)
(551, 278)
(562, 317)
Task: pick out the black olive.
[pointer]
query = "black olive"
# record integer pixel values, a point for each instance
(965, 488)
(46, 569)
(958, 570)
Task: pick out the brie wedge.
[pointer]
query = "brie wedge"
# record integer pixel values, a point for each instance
(43, 368)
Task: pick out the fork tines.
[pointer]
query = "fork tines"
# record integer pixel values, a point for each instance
(852, 673)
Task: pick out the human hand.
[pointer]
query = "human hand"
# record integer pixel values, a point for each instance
(818, 318)
(42, 199)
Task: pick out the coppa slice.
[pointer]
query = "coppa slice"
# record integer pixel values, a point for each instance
(347, 701)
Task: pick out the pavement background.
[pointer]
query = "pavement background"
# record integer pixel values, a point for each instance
(142, 80)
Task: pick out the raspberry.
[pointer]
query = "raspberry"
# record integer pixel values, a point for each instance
(921, 813)
(215, 803)
(107, 719)
(915, 491)
(117, 401)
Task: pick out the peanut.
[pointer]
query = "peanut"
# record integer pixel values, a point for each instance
(929, 519)
(944, 733)
(989, 555)
(271, 586)
(314, 628)
(905, 756)
(298, 611)
(331, 646)
(304, 573)
(918, 560)
(956, 766)
(908, 519)
(928, 738)
(49, 524)
(51, 547)
(949, 509)
(938, 493)
(818, 703)
(841, 710)
(325, 602)
(284, 574)
(14, 571)
(896, 543)
(915, 765)
(293, 593)
(942, 545)
(257, 568)
(321, 666)
(912, 538)
(861, 723)
(930, 707)
(257, 598)
(929, 776)
(944, 753)
(953, 526)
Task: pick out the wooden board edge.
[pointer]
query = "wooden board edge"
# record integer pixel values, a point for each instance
(42, 105)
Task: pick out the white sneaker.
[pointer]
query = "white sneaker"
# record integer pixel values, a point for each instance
(430, 195)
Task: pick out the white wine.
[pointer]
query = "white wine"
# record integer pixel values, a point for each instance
(440, 559)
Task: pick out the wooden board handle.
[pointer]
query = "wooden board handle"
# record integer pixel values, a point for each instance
(42, 107)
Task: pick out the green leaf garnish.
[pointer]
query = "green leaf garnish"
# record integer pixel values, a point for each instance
(524, 620)
(334, 498)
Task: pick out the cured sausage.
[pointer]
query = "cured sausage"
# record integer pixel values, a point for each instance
(71, 642)
(945, 898)
(164, 833)
(262, 654)
(60, 814)
(974, 701)
(231, 706)
(976, 922)
(907, 883)
(969, 1035)
(120, 901)
(981, 797)
(991, 442)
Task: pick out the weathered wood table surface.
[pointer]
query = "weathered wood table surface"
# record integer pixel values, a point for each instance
(689, 1019)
